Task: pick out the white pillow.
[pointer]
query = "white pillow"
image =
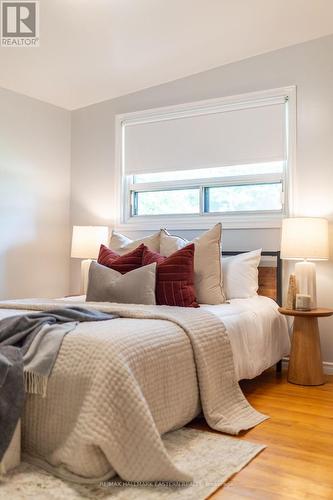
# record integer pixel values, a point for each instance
(121, 244)
(240, 275)
(207, 262)
(134, 287)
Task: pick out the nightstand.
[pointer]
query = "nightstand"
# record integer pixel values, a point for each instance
(305, 363)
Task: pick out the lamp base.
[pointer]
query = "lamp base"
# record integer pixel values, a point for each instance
(85, 265)
(306, 281)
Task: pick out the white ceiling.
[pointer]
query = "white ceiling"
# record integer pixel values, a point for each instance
(92, 50)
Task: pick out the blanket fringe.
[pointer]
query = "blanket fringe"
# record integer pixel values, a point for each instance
(34, 383)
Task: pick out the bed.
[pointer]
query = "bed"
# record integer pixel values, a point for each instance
(257, 331)
(118, 386)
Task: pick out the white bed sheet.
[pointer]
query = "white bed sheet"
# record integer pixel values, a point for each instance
(258, 333)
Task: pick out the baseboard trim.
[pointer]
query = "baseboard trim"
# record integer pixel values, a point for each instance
(327, 366)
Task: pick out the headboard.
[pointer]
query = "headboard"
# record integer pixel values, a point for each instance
(270, 276)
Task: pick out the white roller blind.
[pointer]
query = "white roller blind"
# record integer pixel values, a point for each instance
(251, 134)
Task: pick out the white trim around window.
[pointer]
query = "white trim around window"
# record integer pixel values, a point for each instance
(124, 221)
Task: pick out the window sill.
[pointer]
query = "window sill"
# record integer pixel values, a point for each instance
(201, 222)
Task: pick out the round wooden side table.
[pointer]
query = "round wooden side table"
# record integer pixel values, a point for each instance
(305, 362)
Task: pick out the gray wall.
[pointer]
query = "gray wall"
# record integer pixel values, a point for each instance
(308, 65)
(34, 197)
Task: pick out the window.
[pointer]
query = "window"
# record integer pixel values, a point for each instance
(218, 160)
(245, 188)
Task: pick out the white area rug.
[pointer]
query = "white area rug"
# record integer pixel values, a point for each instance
(209, 457)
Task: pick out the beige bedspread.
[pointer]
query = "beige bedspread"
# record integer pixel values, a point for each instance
(118, 385)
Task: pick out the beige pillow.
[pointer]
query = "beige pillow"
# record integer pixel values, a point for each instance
(207, 262)
(170, 243)
(121, 244)
(134, 287)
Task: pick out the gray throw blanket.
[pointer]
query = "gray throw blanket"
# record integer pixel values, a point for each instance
(29, 345)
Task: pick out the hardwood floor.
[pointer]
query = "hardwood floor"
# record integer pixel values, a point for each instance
(298, 460)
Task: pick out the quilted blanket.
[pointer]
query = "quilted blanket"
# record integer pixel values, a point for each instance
(117, 386)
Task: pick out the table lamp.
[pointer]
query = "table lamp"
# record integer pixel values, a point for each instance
(305, 239)
(86, 241)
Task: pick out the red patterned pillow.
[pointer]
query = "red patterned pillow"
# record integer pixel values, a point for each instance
(124, 263)
(174, 277)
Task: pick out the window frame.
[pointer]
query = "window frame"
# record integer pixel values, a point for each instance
(233, 220)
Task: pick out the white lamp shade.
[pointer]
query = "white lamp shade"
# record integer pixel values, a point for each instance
(86, 241)
(304, 238)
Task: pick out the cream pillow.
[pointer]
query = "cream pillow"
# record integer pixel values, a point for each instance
(134, 287)
(121, 244)
(240, 275)
(207, 262)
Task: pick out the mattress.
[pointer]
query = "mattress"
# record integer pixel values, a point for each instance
(258, 333)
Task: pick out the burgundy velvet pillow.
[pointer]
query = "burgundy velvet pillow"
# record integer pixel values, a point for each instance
(174, 277)
(124, 263)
